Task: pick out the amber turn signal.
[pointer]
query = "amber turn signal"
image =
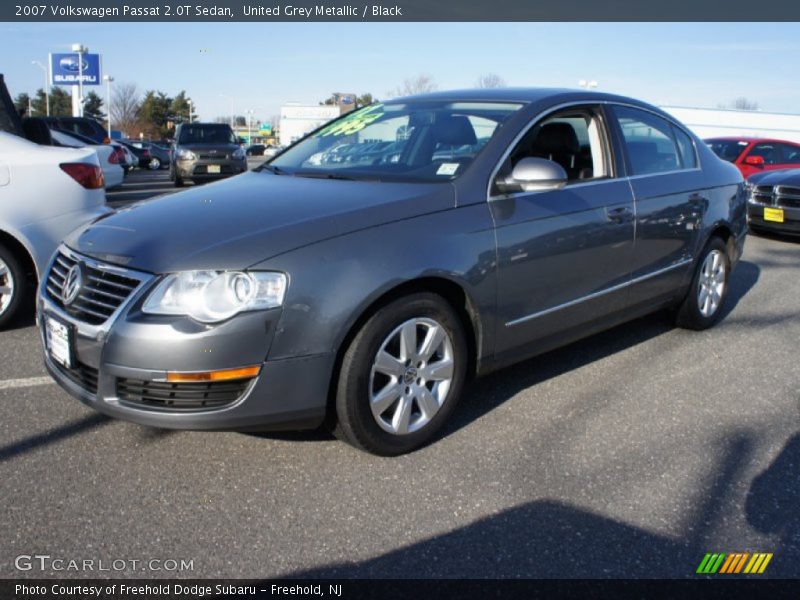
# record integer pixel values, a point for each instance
(223, 375)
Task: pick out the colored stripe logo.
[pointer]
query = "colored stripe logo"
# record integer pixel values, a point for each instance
(733, 563)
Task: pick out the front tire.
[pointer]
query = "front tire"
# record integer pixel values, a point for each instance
(401, 376)
(702, 307)
(14, 287)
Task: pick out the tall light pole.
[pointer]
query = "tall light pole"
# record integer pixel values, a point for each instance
(80, 49)
(108, 79)
(190, 109)
(46, 84)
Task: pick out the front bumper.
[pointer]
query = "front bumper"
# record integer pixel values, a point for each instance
(202, 168)
(133, 347)
(790, 225)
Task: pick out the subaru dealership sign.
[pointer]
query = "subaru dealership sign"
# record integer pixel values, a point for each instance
(68, 69)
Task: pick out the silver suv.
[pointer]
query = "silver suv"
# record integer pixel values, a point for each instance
(205, 151)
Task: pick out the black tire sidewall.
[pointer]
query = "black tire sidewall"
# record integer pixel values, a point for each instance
(690, 315)
(355, 418)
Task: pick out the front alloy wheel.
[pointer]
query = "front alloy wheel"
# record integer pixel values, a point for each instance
(411, 376)
(401, 375)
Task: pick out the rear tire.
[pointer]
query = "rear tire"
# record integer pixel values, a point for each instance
(154, 164)
(401, 376)
(15, 288)
(703, 305)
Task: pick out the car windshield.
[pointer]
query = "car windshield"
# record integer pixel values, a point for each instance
(727, 149)
(206, 134)
(414, 141)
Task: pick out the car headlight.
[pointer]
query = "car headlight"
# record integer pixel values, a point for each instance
(239, 153)
(186, 155)
(213, 296)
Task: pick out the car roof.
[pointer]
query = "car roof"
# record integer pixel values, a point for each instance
(522, 95)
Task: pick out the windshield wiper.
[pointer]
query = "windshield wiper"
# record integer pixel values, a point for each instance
(325, 176)
(272, 169)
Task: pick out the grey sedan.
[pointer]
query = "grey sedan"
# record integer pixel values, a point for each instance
(463, 232)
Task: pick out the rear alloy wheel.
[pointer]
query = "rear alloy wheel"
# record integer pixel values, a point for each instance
(13, 287)
(401, 376)
(702, 306)
(155, 164)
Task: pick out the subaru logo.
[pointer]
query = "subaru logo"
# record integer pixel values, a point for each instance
(73, 64)
(72, 284)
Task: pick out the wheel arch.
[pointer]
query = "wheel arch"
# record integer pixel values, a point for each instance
(21, 251)
(450, 291)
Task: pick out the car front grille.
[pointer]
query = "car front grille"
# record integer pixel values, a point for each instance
(782, 196)
(212, 156)
(80, 374)
(762, 194)
(102, 293)
(787, 197)
(181, 396)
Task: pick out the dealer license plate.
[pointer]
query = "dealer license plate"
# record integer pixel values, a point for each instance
(213, 169)
(59, 342)
(773, 214)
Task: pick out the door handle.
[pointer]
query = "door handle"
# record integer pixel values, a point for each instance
(621, 214)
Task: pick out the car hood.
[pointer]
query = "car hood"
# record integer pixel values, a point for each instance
(783, 177)
(244, 220)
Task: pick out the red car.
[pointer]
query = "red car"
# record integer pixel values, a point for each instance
(756, 155)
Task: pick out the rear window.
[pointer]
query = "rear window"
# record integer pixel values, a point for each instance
(9, 119)
(206, 134)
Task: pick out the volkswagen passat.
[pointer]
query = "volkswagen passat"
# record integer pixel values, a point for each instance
(464, 231)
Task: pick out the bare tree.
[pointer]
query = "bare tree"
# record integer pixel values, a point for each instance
(125, 104)
(742, 103)
(490, 80)
(414, 85)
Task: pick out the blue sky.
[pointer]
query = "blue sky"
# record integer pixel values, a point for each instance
(263, 65)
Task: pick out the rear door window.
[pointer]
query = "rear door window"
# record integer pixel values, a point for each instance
(649, 141)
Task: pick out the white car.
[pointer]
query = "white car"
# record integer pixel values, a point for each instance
(109, 156)
(46, 192)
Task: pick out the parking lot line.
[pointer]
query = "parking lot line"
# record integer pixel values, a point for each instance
(8, 384)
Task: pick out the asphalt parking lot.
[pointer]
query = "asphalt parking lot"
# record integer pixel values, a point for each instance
(629, 454)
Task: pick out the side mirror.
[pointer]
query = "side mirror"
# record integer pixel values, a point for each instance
(534, 175)
(755, 161)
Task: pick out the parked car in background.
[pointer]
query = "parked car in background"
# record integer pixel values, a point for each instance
(45, 193)
(151, 156)
(84, 126)
(256, 150)
(271, 151)
(132, 161)
(756, 155)
(204, 152)
(110, 156)
(366, 293)
(774, 203)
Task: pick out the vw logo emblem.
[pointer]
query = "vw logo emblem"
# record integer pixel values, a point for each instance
(72, 284)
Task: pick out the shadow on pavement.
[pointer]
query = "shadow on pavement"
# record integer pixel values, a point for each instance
(54, 435)
(773, 507)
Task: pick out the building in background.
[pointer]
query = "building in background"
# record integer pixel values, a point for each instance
(719, 122)
(299, 119)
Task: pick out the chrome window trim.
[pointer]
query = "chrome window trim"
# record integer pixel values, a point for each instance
(594, 295)
(588, 102)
